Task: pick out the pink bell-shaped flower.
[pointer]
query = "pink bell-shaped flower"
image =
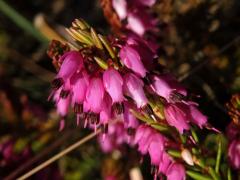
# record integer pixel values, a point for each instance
(165, 162)
(95, 95)
(113, 83)
(130, 120)
(131, 58)
(71, 62)
(80, 83)
(177, 116)
(134, 88)
(106, 114)
(142, 137)
(62, 104)
(148, 3)
(139, 21)
(120, 6)
(156, 148)
(176, 172)
(234, 153)
(165, 85)
(197, 117)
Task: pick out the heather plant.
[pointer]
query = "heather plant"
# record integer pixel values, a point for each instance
(118, 86)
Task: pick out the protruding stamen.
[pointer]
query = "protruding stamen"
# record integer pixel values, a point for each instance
(147, 79)
(104, 128)
(148, 110)
(118, 108)
(177, 97)
(131, 131)
(64, 93)
(78, 108)
(57, 83)
(93, 118)
(62, 124)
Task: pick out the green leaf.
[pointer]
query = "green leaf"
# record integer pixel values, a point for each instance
(96, 39)
(218, 158)
(174, 153)
(101, 63)
(107, 46)
(22, 22)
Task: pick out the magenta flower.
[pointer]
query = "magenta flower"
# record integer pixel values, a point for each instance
(62, 104)
(156, 149)
(232, 131)
(131, 58)
(148, 3)
(166, 161)
(136, 13)
(134, 88)
(80, 83)
(120, 7)
(197, 117)
(166, 85)
(150, 141)
(113, 83)
(142, 137)
(95, 94)
(71, 62)
(114, 138)
(140, 21)
(176, 172)
(130, 120)
(177, 116)
(106, 114)
(146, 45)
(234, 153)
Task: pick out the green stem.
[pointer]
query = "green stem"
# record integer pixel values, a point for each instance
(218, 158)
(22, 22)
(198, 176)
(229, 174)
(214, 175)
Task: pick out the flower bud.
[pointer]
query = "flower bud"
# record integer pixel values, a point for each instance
(187, 157)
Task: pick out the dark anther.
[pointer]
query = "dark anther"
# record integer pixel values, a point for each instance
(177, 97)
(147, 79)
(94, 118)
(130, 131)
(78, 108)
(104, 128)
(64, 93)
(118, 108)
(148, 110)
(57, 83)
(153, 169)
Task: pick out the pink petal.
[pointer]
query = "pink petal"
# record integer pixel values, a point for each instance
(134, 88)
(113, 83)
(95, 94)
(131, 58)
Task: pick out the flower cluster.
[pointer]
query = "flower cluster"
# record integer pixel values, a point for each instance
(106, 79)
(151, 142)
(233, 131)
(136, 13)
(233, 134)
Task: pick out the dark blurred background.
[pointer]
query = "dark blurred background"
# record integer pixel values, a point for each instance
(197, 36)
